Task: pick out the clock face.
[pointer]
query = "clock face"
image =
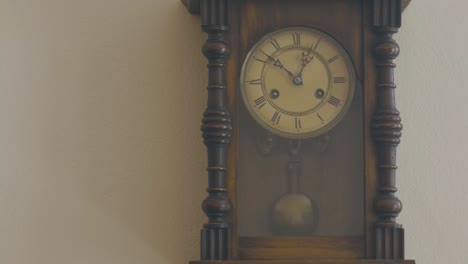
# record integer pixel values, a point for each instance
(297, 82)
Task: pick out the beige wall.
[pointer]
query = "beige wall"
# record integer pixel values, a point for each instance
(101, 159)
(432, 97)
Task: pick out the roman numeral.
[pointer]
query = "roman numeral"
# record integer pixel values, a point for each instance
(339, 80)
(333, 59)
(260, 100)
(321, 119)
(316, 44)
(276, 118)
(275, 44)
(296, 39)
(334, 101)
(298, 123)
(256, 82)
(260, 60)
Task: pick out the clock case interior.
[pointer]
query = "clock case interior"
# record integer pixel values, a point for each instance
(350, 228)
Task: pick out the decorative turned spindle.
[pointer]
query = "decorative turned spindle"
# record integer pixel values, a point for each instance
(386, 126)
(215, 235)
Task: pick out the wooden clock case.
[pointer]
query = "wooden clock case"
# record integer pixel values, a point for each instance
(365, 28)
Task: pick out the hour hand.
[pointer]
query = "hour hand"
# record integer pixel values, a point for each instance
(306, 59)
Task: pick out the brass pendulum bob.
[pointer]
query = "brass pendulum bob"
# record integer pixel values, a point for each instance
(294, 214)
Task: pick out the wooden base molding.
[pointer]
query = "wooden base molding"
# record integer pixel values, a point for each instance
(318, 261)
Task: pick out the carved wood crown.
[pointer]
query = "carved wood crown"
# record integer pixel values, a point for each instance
(194, 5)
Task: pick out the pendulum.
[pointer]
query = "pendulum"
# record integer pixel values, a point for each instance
(294, 214)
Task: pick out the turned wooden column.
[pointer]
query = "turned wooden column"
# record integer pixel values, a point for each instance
(216, 131)
(386, 126)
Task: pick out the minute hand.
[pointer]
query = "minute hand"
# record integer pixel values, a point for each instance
(277, 63)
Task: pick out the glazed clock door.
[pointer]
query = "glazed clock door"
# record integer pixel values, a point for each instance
(300, 171)
(305, 176)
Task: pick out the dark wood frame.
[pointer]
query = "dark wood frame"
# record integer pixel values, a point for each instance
(384, 238)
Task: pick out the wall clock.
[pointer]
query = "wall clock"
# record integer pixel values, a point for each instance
(301, 130)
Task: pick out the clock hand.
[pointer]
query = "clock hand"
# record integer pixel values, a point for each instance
(277, 63)
(306, 59)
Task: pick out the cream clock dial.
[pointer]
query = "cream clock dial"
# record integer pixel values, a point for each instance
(297, 82)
